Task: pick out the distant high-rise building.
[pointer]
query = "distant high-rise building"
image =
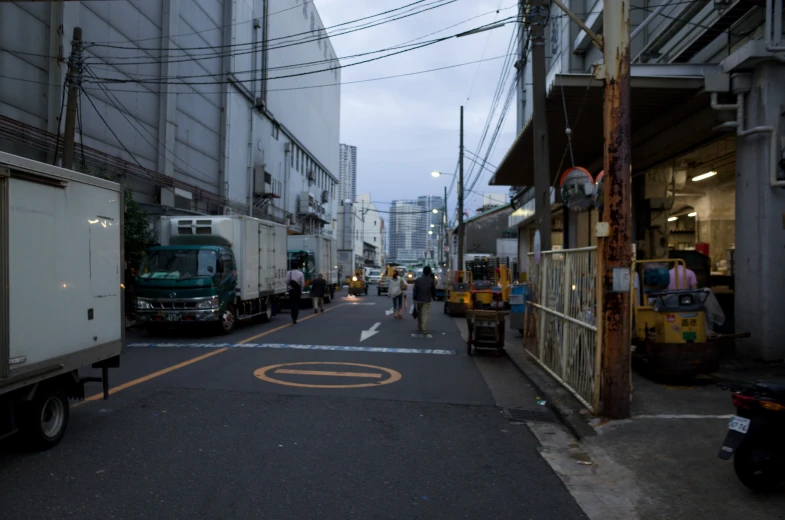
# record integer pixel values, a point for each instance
(410, 221)
(347, 173)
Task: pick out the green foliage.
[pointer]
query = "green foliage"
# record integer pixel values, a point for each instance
(138, 233)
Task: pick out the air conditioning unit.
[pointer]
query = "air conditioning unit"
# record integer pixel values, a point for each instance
(262, 182)
(325, 197)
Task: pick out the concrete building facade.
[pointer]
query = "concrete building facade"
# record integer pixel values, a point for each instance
(707, 156)
(204, 106)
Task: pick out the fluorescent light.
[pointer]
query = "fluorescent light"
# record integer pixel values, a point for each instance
(671, 219)
(693, 214)
(704, 176)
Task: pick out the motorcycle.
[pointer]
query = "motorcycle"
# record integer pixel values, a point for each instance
(756, 434)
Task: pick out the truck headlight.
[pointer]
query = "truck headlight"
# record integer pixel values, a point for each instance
(208, 303)
(142, 305)
(354, 278)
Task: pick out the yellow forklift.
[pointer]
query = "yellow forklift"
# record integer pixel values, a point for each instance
(357, 284)
(670, 336)
(458, 298)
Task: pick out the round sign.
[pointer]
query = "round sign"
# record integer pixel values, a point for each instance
(599, 192)
(577, 188)
(537, 247)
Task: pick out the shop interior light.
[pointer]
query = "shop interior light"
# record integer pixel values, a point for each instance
(704, 176)
(693, 214)
(671, 219)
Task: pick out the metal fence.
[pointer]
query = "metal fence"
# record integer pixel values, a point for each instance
(562, 322)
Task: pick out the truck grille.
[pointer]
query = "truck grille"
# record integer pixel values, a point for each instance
(172, 305)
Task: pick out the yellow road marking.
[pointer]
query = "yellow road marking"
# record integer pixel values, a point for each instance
(262, 373)
(320, 373)
(148, 377)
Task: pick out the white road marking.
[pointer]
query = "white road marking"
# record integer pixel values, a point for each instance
(389, 311)
(370, 332)
(681, 416)
(295, 347)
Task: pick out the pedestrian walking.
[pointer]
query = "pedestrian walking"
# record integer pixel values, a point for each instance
(396, 294)
(318, 291)
(295, 281)
(424, 292)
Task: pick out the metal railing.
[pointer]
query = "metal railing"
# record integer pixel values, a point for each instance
(562, 322)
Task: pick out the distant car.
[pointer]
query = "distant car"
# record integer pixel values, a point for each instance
(373, 276)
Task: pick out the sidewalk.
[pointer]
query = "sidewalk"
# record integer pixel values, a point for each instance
(669, 447)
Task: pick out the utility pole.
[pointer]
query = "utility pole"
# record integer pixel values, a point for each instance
(443, 241)
(542, 202)
(616, 249)
(74, 82)
(460, 200)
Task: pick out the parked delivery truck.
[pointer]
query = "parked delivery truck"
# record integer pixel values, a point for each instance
(61, 293)
(212, 270)
(315, 254)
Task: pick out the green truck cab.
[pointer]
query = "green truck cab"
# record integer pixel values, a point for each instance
(187, 284)
(213, 270)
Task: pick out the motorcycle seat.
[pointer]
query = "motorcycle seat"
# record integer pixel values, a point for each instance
(776, 390)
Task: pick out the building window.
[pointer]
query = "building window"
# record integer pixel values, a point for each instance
(374, 222)
(293, 151)
(276, 131)
(374, 239)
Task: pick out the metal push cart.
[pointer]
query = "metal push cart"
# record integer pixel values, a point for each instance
(486, 326)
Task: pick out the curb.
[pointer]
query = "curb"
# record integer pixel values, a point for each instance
(559, 400)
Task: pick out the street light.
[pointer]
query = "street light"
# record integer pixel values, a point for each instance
(430, 232)
(435, 211)
(433, 225)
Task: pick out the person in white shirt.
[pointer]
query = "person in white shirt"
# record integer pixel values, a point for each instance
(295, 281)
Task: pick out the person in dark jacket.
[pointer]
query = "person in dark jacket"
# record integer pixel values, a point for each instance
(318, 291)
(424, 292)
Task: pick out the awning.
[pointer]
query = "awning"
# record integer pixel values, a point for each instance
(669, 115)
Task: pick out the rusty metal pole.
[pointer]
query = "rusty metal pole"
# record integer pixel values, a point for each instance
(74, 84)
(616, 249)
(538, 15)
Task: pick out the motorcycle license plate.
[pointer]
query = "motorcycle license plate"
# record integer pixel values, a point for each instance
(172, 317)
(739, 424)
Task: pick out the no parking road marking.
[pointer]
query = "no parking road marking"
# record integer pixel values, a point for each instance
(380, 375)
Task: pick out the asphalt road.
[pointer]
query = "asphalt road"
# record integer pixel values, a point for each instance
(282, 421)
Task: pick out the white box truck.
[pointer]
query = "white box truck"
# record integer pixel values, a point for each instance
(61, 292)
(213, 270)
(315, 254)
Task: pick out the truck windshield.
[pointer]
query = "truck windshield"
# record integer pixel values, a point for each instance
(307, 262)
(178, 264)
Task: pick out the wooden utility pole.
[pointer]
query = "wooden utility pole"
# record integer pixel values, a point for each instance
(460, 200)
(74, 82)
(616, 248)
(443, 241)
(538, 15)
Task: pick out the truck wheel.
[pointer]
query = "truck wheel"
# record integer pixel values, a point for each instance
(44, 419)
(227, 321)
(267, 315)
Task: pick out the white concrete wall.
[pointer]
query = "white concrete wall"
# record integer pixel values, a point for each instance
(205, 134)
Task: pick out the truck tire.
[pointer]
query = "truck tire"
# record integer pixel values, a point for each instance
(43, 420)
(227, 321)
(267, 315)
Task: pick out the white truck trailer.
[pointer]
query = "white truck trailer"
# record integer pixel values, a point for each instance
(315, 254)
(214, 270)
(61, 292)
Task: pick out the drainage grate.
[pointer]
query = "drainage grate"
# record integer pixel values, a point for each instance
(517, 414)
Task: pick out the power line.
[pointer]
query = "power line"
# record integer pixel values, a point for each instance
(194, 92)
(484, 50)
(206, 30)
(439, 3)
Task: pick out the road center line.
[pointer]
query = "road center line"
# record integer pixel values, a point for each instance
(148, 377)
(323, 373)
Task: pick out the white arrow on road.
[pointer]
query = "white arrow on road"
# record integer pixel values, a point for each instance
(390, 311)
(370, 332)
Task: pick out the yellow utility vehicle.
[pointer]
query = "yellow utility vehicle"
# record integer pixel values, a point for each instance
(459, 298)
(357, 284)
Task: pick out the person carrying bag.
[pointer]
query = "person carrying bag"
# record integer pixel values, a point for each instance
(397, 294)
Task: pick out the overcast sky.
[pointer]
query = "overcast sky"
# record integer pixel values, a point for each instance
(404, 128)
